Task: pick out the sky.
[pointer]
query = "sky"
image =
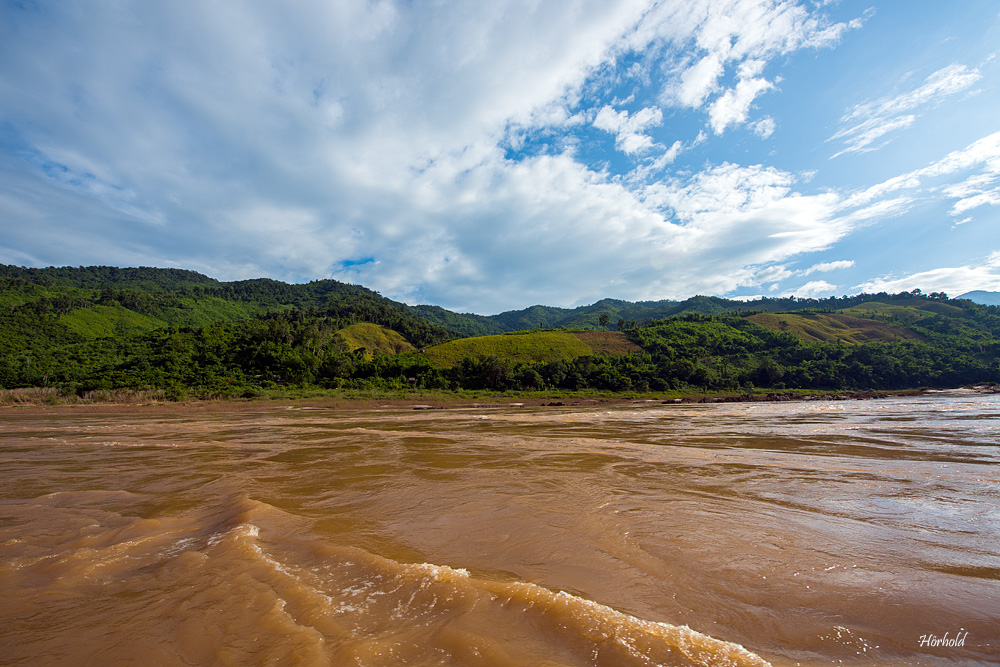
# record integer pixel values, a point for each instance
(489, 156)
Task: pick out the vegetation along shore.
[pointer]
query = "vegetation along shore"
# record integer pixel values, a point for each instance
(94, 335)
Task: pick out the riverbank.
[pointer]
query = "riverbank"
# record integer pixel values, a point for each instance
(49, 399)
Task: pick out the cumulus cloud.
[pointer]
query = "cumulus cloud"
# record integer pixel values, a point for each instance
(699, 80)
(733, 106)
(764, 127)
(712, 38)
(866, 123)
(380, 143)
(813, 289)
(628, 130)
(230, 126)
(738, 222)
(772, 274)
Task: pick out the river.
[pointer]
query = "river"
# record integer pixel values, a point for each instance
(812, 533)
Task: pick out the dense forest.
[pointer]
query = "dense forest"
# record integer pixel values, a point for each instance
(100, 328)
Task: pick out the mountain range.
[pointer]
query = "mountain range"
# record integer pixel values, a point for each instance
(982, 297)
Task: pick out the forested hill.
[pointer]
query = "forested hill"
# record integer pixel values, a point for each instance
(74, 304)
(93, 300)
(101, 328)
(187, 298)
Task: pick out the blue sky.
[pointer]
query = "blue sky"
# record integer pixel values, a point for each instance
(491, 156)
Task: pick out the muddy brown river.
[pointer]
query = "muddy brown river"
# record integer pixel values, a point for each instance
(813, 533)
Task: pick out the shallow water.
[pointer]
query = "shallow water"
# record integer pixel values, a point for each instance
(808, 533)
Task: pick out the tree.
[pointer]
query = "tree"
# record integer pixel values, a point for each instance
(603, 320)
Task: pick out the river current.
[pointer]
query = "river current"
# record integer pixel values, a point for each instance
(812, 533)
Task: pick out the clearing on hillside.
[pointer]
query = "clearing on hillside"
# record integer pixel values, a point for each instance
(608, 342)
(533, 347)
(904, 311)
(99, 321)
(834, 327)
(372, 337)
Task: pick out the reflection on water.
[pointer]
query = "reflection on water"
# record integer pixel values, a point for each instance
(809, 533)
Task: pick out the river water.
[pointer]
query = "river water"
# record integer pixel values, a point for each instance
(813, 533)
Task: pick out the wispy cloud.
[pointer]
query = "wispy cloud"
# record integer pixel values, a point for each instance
(866, 123)
(823, 267)
(983, 275)
(980, 161)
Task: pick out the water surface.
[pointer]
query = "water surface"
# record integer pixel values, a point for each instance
(795, 533)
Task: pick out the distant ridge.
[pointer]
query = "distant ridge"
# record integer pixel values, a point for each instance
(983, 297)
(74, 331)
(178, 297)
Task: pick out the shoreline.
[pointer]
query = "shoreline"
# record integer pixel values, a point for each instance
(38, 402)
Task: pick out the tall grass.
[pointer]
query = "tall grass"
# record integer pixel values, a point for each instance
(537, 346)
(56, 396)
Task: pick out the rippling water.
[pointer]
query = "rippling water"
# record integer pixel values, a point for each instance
(808, 533)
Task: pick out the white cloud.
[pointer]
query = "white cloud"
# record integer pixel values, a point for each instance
(641, 175)
(865, 123)
(980, 188)
(709, 38)
(984, 275)
(764, 127)
(823, 267)
(860, 138)
(725, 189)
(628, 130)
(372, 142)
(989, 198)
(772, 274)
(734, 105)
(812, 289)
(272, 141)
(734, 219)
(699, 80)
(554, 228)
(977, 190)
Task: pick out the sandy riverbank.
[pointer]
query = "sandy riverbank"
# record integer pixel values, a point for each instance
(41, 400)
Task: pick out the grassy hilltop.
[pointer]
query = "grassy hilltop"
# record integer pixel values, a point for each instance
(834, 327)
(532, 347)
(370, 339)
(87, 329)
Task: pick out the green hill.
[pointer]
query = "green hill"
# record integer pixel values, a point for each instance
(370, 338)
(463, 324)
(104, 321)
(905, 311)
(531, 347)
(56, 306)
(100, 328)
(834, 327)
(588, 317)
